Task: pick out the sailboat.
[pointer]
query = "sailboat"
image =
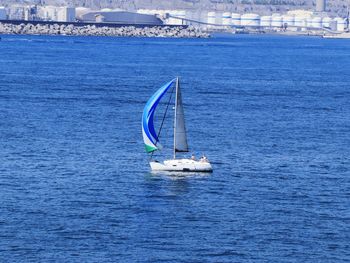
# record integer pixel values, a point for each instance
(151, 137)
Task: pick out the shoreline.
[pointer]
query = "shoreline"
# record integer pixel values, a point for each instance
(32, 28)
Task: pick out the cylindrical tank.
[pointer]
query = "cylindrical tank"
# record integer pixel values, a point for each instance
(288, 20)
(235, 19)
(250, 20)
(317, 21)
(276, 21)
(211, 17)
(226, 18)
(309, 22)
(265, 21)
(326, 22)
(340, 24)
(300, 21)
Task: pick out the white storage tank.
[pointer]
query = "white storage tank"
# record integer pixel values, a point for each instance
(276, 21)
(226, 19)
(106, 10)
(317, 21)
(340, 24)
(2, 13)
(211, 18)
(309, 22)
(300, 21)
(265, 21)
(326, 22)
(288, 20)
(250, 20)
(235, 19)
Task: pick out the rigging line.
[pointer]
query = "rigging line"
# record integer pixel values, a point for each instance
(166, 110)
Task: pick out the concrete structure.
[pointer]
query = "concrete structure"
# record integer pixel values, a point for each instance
(121, 17)
(250, 20)
(3, 14)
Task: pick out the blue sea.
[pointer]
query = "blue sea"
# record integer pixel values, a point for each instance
(271, 113)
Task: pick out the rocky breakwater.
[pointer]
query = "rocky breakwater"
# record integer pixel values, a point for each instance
(92, 30)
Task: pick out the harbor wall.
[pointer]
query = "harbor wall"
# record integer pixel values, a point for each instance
(98, 29)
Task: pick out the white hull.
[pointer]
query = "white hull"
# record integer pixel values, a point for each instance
(181, 165)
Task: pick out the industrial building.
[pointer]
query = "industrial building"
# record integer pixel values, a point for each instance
(120, 17)
(55, 13)
(293, 20)
(3, 14)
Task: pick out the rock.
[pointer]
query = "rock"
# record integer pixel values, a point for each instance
(88, 30)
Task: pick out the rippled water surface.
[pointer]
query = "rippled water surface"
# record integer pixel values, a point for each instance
(272, 113)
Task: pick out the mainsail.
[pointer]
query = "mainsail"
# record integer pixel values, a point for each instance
(180, 137)
(150, 136)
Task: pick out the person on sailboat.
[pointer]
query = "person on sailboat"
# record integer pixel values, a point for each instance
(193, 158)
(204, 159)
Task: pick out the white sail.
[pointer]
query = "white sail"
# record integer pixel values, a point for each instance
(180, 137)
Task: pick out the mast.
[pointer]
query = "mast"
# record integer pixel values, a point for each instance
(176, 101)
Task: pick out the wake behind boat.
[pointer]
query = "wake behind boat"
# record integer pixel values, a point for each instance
(151, 137)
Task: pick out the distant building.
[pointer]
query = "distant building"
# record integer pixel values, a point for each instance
(66, 14)
(3, 15)
(120, 17)
(55, 13)
(16, 12)
(320, 5)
